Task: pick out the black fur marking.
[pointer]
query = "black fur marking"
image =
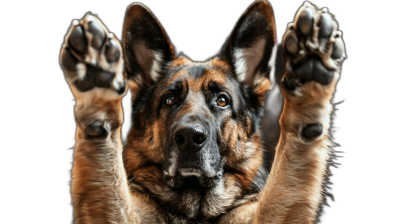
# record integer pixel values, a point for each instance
(138, 104)
(249, 107)
(144, 29)
(197, 71)
(250, 28)
(259, 180)
(212, 86)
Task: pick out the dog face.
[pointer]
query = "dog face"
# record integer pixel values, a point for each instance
(197, 121)
(195, 101)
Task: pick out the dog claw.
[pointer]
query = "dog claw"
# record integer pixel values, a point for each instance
(75, 22)
(90, 18)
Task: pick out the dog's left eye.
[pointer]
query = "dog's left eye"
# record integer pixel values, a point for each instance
(222, 101)
(170, 101)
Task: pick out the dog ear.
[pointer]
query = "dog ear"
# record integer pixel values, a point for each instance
(146, 45)
(250, 47)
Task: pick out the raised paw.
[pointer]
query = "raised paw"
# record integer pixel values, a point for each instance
(313, 48)
(91, 58)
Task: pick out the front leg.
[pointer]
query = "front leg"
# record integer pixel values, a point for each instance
(313, 51)
(93, 67)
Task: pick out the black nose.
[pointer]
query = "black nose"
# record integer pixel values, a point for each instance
(190, 138)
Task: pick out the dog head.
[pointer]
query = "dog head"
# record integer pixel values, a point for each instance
(197, 121)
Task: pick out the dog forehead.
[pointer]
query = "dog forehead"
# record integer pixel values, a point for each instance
(198, 74)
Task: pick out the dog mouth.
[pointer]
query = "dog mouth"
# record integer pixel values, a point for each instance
(192, 178)
(190, 172)
(192, 158)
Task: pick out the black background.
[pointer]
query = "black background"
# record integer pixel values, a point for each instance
(198, 29)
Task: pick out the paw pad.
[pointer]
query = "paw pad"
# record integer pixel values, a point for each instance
(313, 48)
(305, 22)
(68, 61)
(313, 69)
(91, 57)
(338, 48)
(312, 130)
(98, 35)
(95, 131)
(325, 25)
(77, 40)
(112, 51)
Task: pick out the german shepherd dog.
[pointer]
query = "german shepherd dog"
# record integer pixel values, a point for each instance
(194, 153)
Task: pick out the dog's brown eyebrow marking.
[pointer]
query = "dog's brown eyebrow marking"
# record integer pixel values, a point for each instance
(216, 80)
(178, 85)
(215, 85)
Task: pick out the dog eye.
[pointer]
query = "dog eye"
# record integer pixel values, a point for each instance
(170, 101)
(222, 101)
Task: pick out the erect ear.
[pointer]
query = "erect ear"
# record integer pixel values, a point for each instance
(146, 46)
(250, 47)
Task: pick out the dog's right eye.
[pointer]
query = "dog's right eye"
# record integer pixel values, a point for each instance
(170, 101)
(222, 100)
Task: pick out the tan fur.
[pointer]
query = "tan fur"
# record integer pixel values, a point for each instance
(95, 171)
(299, 166)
